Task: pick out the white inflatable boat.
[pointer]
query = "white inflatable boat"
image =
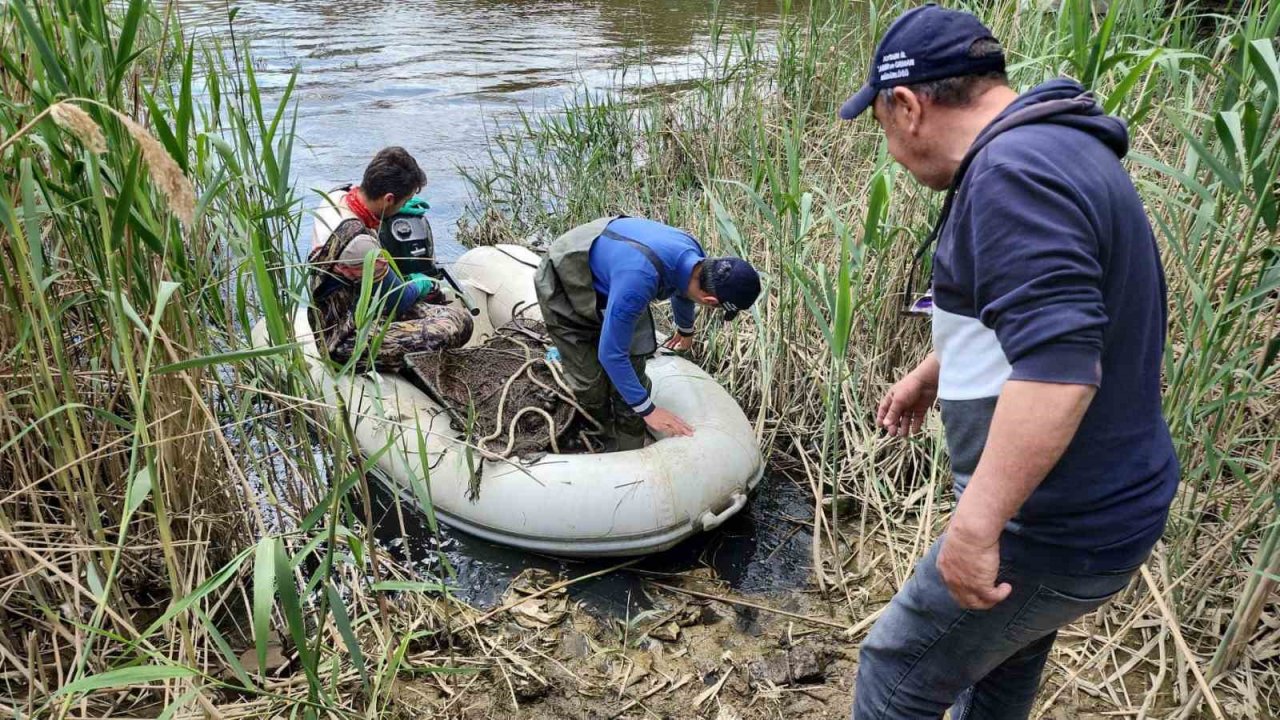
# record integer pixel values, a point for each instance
(622, 503)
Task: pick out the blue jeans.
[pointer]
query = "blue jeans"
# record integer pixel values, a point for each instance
(927, 654)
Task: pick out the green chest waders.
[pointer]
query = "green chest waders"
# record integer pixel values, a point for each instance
(574, 318)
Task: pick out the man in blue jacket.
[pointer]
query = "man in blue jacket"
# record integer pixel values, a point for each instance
(595, 287)
(1048, 310)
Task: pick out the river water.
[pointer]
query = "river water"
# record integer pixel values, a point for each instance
(440, 77)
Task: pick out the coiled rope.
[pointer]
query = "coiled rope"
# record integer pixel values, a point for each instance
(562, 392)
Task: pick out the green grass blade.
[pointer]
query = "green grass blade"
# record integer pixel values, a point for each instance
(124, 43)
(229, 656)
(48, 58)
(162, 129)
(291, 608)
(407, 586)
(226, 358)
(126, 677)
(264, 591)
(1262, 54)
(137, 492)
(1121, 91)
(186, 104)
(343, 622)
(31, 223)
(1100, 44)
(123, 204)
(1220, 169)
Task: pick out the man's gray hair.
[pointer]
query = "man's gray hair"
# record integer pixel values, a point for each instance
(958, 91)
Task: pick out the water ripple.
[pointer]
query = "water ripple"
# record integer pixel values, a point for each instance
(436, 76)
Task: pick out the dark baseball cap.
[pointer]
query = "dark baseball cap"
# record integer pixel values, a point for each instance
(734, 283)
(924, 43)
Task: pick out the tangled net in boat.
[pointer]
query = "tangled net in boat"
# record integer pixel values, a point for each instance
(513, 402)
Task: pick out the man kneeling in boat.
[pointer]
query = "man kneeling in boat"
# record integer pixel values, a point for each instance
(413, 309)
(595, 287)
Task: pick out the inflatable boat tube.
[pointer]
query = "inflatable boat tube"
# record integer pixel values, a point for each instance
(608, 504)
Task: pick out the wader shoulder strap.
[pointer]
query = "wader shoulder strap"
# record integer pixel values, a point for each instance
(569, 258)
(663, 290)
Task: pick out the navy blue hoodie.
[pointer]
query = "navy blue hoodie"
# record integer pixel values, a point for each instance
(1047, 270)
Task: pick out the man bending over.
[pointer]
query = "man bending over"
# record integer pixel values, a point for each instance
(595, 287)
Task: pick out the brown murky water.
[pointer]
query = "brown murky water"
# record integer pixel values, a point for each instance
(440, 76)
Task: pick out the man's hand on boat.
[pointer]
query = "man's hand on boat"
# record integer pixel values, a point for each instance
(666, 422)
(679, 343)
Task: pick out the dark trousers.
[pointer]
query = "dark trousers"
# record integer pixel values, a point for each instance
(927, 654)
(579, 345)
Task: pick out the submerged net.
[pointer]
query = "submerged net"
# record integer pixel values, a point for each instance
(513, 402)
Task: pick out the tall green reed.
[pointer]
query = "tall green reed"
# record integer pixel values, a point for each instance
(173, 498)
(1220, 218)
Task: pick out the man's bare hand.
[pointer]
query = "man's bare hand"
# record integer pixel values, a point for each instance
(679, 343)
(903, 408)
(665, 422)
(969, 566)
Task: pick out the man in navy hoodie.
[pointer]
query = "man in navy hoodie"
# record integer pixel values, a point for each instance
(1048, 311)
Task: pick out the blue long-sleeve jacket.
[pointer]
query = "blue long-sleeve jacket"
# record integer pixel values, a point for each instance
(627, 282)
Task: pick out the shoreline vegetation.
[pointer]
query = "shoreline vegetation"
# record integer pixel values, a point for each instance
(184, 534)
(753, 159)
